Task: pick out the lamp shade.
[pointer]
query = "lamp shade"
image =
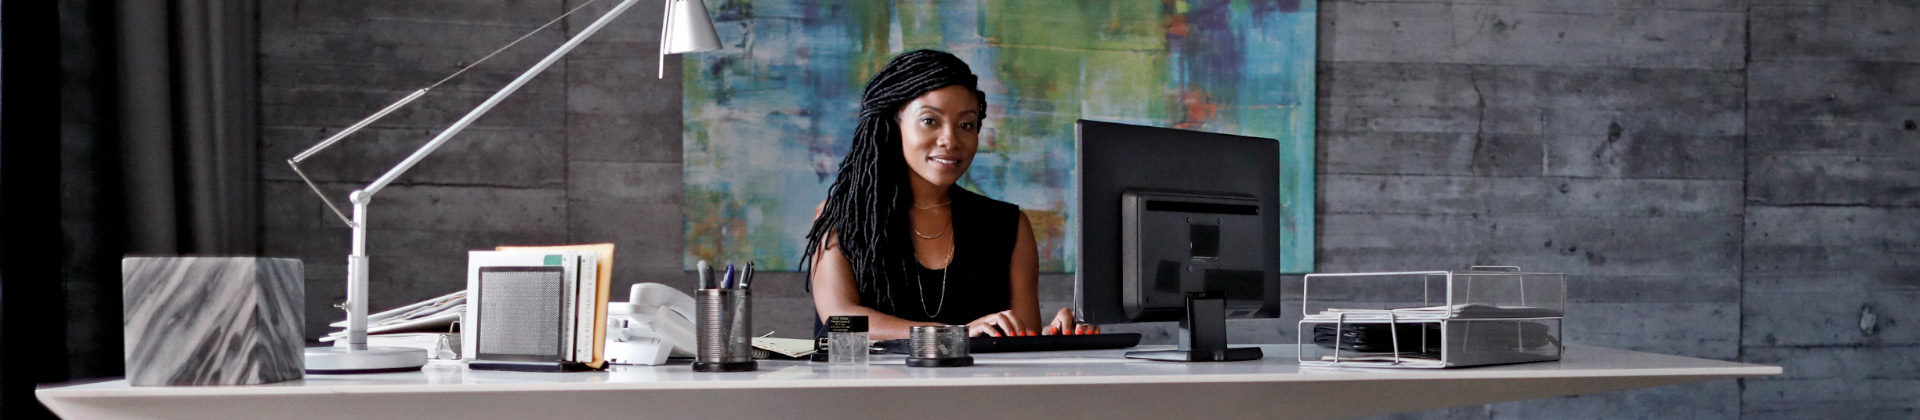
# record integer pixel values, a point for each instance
(688, 28)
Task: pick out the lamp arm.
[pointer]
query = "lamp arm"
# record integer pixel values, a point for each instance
(336, 137)
(357, 262)
(513, 86)
(396, 105)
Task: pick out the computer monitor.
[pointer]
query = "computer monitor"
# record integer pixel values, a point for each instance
(1177, 225)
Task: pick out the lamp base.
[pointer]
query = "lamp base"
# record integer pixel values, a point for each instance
(339, 360)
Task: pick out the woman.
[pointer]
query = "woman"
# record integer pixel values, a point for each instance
(898, 242)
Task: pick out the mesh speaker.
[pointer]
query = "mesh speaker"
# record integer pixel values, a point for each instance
(520, 313)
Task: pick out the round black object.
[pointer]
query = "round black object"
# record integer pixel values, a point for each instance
(746, 366)
(961, 361)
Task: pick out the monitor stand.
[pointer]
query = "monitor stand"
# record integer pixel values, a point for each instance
(1203, 335)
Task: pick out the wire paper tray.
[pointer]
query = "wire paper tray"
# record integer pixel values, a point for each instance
(1430, 343)
(1431, 319)
(1481, 292)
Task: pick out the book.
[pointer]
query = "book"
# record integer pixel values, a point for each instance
(596, 273)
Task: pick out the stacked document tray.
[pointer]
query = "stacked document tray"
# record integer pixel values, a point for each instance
(1432, 319)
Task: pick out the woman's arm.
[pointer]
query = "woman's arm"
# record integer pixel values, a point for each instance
(1025, 277)
(1026, 288)
(834, 292)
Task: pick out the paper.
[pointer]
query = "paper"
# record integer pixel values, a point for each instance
(790, 347)
(435, 315)
(439, 346)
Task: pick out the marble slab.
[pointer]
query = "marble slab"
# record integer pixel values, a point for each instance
(213, 321)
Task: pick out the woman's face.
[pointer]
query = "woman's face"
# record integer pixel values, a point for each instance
(939, 132)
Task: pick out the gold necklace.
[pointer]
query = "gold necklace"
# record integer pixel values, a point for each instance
(931, 206)
(943, 232)
(917, 281)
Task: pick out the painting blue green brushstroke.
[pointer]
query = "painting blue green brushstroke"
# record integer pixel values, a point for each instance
(768, 118)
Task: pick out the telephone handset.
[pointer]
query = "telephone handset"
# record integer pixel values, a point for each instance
(656, 321)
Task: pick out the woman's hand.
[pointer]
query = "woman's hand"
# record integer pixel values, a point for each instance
(1063, 324)
(999, 324)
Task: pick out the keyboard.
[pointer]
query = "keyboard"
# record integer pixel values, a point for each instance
(1034, 343)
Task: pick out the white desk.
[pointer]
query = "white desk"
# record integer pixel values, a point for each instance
(1058, 385)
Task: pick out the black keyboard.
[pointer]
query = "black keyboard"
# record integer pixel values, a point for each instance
(1034, 343)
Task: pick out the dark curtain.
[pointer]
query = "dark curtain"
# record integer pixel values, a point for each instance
(29, 232)
(156, 156)
(187, 106)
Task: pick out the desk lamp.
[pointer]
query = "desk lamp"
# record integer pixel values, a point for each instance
(684, 29)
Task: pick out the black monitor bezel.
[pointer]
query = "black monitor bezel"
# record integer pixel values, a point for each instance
(1181, 160)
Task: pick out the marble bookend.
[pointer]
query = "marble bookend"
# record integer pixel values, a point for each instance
(213, 321)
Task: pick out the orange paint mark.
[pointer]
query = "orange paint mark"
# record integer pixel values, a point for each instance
(1176, 22)
(1199, 110)
(1049, 232)
(714, 232)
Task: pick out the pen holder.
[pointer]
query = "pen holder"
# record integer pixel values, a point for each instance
(725, 326)
(941, 346)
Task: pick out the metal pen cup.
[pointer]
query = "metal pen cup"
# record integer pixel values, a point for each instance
(724, 327)
(939, 346)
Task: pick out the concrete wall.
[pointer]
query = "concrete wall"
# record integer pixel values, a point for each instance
(1599, 139)
(587, 152)
(1725, 179)
(1831, 283)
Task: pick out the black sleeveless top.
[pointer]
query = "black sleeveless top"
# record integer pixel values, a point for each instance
(977, 280)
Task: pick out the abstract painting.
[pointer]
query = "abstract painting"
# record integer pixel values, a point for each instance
(768, 118)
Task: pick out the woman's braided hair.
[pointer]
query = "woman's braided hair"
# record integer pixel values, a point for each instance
(866, 207)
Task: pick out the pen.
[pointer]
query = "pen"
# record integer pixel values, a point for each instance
(726, 281)
(706, 274)
(746, 277)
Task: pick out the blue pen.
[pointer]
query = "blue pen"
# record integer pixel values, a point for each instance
(726, 282)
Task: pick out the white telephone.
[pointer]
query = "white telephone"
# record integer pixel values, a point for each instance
(656, 321)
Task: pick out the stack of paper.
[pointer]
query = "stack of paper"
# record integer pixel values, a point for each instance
(428, 325)
(439, 346)
(791, 348)
(437, 314)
